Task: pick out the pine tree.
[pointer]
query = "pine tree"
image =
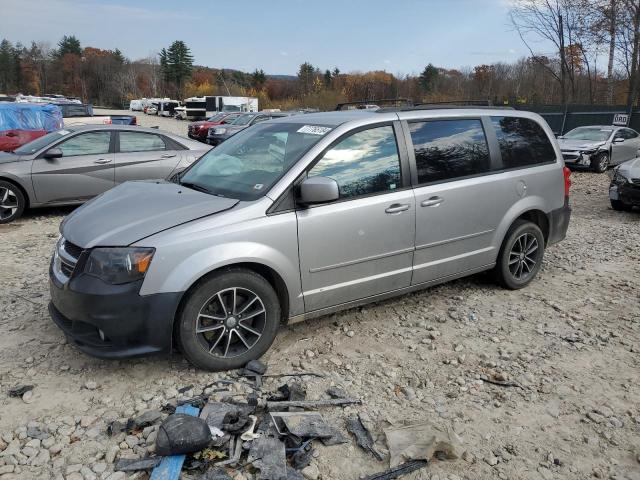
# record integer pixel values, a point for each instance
(428, 78)
(68, 44)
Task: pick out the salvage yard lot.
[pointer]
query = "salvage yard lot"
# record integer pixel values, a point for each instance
(568, 344)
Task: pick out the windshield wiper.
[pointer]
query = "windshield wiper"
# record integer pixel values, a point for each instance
(195, 186)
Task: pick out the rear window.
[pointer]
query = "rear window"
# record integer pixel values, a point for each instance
(522, 142)
(449, 149)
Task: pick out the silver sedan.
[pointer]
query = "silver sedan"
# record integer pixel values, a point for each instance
(73, 165)
(598, 146)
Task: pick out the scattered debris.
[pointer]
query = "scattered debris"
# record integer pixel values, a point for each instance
(135, 464)
(399, 471)
(267, 454)
(421, 441)
(181, 433)
(20, 390)
(363, 436)
(302, 424)
(276, 406)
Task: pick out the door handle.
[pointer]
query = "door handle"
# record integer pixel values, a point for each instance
(397, 208)
(102, 161)
(168, 155)
(12, 134)
(432, 202)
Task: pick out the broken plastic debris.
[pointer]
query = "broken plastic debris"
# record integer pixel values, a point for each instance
(181, 433)
(421, 441)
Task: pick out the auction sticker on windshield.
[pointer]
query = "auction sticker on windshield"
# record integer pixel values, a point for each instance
(314, 129)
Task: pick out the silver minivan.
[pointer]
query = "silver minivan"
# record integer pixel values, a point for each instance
(302, 216)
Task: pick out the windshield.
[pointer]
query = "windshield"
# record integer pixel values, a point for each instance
(242, 119)
(248, 164)
(216, 118)
(39, 143)
(229, 119)
(590, 134)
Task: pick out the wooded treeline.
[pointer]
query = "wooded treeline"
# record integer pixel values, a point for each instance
(590, 55)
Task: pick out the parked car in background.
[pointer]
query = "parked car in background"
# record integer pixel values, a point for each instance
(217, 135)
(20, 123)
(624, 191)
(199, 130)
(82, 114)
(299, 217)
(135, 105)
(72, 165)
(599, 146)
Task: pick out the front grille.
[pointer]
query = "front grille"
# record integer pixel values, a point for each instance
(73, 250)
(69, 254)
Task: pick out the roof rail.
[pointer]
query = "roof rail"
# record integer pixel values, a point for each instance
(426, 106)
(395, 102)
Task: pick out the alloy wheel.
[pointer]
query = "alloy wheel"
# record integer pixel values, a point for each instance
(523, 256)
(603, 162)
(231, 322)
(8, 203)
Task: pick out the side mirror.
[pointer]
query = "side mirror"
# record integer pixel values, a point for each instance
(318, 190)
(618, 140)
(53, 153)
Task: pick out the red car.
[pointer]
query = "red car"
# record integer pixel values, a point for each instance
(198, 130)
(21, 123)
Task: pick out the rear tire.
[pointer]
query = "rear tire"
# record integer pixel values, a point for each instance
(12, 202)
(520, 256)
(228, 319)
(600, 163)
(620, 206)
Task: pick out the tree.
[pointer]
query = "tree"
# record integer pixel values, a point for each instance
(306, 77)
(7, 80)
(428, 78)
(327, 78)
(68, 44)
(258, 77)
(119, 57)
(556, 21)
(176, 63)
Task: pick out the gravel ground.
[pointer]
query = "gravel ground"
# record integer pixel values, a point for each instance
(568, 344)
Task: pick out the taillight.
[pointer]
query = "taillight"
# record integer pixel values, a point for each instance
(107, 121)
(567, 180)
(134, 121)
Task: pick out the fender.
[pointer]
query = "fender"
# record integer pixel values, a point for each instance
(522, 206)
(191, 269)
(24, 184)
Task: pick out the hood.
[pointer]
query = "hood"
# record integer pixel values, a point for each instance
(630, 169)
(6, 157)
(202, 123)
(567, 144)
(134, 210)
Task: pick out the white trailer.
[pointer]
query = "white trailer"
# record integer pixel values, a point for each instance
(196, 108)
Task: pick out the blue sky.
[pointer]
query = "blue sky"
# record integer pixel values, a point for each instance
(399, 36)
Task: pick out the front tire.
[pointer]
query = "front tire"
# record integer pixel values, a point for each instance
(228, 319)
(600, 163)
(520, 256)
(12, 202)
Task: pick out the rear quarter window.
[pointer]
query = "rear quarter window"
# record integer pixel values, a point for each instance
(523, 142)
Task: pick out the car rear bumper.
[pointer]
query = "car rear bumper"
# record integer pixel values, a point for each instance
(559, 223)
(112, 321)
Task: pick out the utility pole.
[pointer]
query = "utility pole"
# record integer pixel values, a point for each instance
(563, 89)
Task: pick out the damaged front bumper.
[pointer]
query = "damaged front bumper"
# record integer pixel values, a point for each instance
(112, 321)
(579, 159)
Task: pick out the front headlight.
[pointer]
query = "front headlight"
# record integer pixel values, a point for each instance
(219, 131)
(618, 178)
(119, 265)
